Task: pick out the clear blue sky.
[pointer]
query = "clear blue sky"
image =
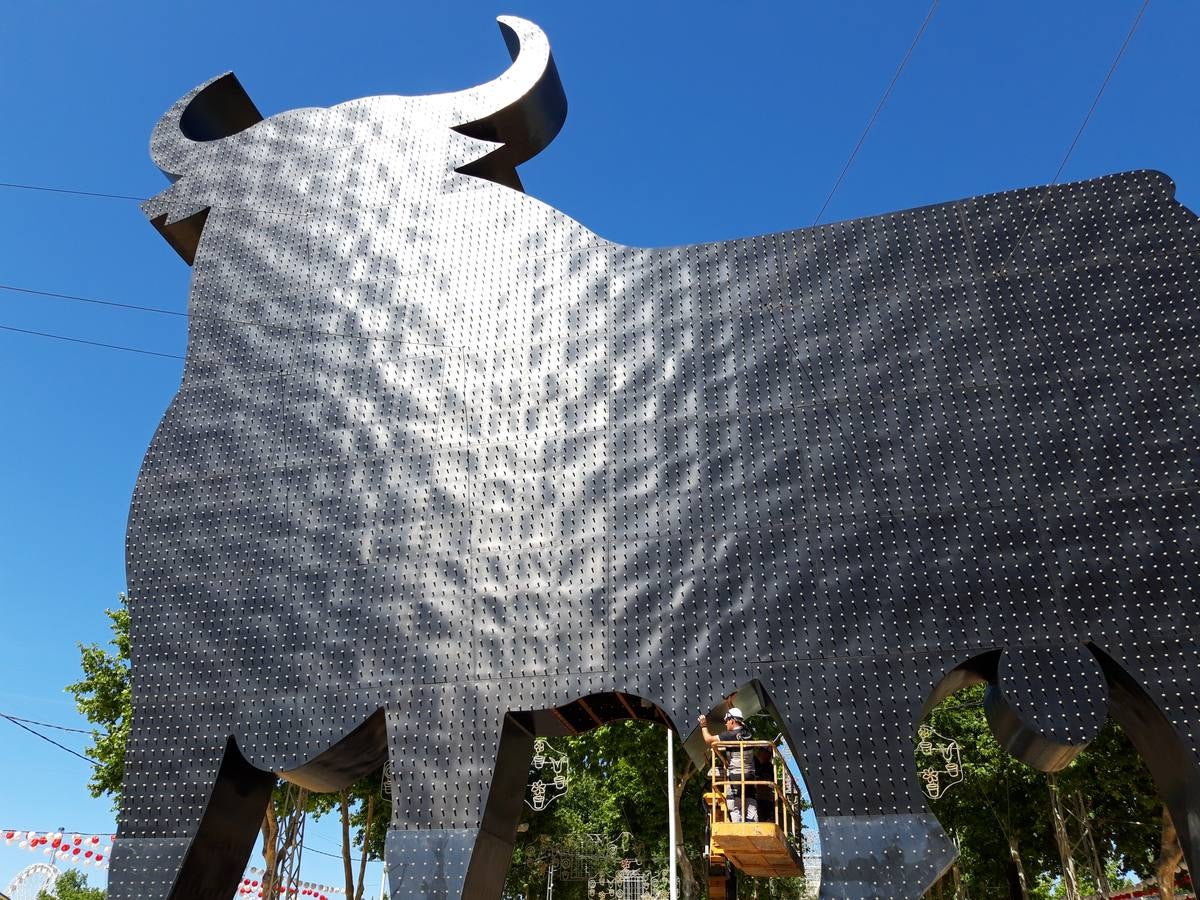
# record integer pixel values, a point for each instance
(689, 122)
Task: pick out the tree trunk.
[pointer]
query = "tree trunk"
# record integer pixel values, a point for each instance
(1018, 885)
(960, 890)
(347, 866)
(270, 833)
(1070, 882)
(1170, 855)
(1084, 814)
(938, 890)
(362, 860)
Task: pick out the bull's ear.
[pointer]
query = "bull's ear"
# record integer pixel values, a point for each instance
(521, 111)
(182, 233)
(206, 114)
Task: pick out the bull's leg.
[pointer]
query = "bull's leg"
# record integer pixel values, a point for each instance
(189, 817)
(1164, 727)
(878, 837)
(454, 816)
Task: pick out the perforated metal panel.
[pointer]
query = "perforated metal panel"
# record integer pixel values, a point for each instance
(441, 454)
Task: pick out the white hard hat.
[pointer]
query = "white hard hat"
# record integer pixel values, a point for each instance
(735, 713)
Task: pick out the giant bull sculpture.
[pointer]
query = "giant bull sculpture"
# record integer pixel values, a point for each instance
(446, 469)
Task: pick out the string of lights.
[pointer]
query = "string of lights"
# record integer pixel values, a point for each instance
(95, 848)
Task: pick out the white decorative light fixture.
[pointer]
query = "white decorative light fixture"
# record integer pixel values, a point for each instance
(941, 761)
(553, 775)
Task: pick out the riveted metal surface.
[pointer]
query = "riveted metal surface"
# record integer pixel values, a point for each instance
(442, 452)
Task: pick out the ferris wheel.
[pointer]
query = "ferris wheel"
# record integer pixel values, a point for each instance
(29, 881)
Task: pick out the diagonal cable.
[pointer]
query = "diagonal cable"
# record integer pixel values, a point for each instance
(75, 340)
(13, 718)
(55, 295)
(1100, 93)
(54, 190)
(1029, 222)
(49, 740)
(878, 109)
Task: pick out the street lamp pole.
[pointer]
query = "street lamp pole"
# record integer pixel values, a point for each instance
(671, 812)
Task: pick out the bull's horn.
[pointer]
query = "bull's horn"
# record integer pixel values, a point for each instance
(214, 110)
(522, 110)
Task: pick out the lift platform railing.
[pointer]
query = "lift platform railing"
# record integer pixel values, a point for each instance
(779, 791)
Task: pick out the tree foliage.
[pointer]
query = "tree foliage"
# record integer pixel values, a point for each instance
(1000, 815)
(618, 786)
(1122, 804)
(72, 885)
(364, 810)
(996, 815)
(104, 696)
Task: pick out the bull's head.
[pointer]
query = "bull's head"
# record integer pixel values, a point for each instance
(208, 146)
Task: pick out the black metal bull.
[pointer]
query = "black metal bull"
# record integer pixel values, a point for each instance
(447, 469)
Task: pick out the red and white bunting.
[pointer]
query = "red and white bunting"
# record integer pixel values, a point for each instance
(77, 849)
(94, 850)
(252, 887)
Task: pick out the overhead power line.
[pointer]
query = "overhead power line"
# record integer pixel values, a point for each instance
(158, 310)
(845, 168)
(1032, 218)
(48, 740)
(55, 295)
(308, 849)
(1100, 93)
(75, 340)
(55, 190)
(878, 108)
(833, 191)
(45, 724)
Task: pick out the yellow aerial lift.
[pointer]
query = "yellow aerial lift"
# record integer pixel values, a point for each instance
(769, 847)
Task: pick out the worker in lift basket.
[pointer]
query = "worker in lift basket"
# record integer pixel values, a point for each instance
(738, 760)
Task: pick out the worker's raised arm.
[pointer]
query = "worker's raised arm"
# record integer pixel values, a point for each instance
(709, 737)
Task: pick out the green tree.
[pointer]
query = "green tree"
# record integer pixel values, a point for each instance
(72, 885)
(997, 814)
(1111, 792)
(618, 786)
(364, 810)
(1001, 815)
(104, 696)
